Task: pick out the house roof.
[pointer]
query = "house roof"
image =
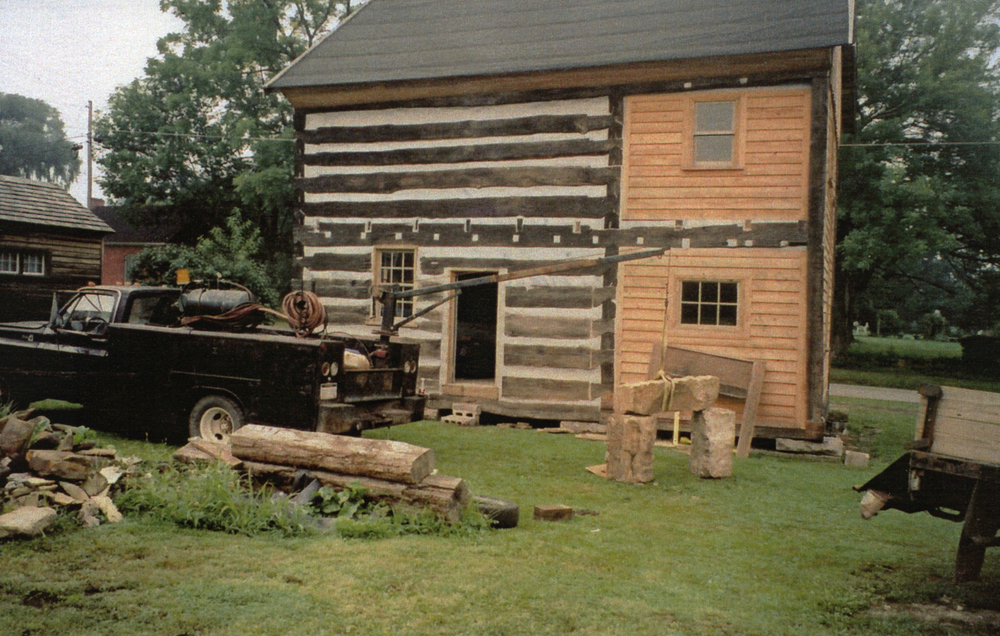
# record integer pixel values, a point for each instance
(127, 233)
(400, 40)
(45, 204)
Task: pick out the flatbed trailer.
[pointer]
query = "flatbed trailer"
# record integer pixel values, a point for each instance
(952, 471)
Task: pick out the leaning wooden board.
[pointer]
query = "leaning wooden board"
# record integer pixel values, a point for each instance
(959, 423)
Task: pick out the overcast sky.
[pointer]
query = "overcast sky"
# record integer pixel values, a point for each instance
(66, 52)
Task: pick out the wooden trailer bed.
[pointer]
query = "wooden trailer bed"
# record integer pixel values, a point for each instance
(952, 471)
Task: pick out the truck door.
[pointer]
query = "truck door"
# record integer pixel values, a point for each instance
(81, 346)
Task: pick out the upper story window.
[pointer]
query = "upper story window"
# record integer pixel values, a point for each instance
(395, 268)
(715, 134)
(22, 263)
(709, 303)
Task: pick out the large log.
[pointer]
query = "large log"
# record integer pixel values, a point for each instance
(381, 459)
(446, 496)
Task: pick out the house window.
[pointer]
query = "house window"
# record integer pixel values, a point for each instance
(715, 130)
(395, 268)
(22, 263)
(709, 303)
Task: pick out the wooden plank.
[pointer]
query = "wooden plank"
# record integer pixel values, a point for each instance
(462, 154)
(749, 420)
(545, 389)
(547, 356)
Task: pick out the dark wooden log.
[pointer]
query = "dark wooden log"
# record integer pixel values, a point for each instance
(527, 207)
(462, 154)
(381, 459)
(388, 182)
(457, 130)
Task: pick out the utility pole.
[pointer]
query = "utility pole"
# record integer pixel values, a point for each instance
(90, 155)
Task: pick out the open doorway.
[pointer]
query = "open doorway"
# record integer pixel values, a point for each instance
(476, 330)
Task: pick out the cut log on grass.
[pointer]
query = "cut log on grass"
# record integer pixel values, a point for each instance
(443, 495)
(381, 459)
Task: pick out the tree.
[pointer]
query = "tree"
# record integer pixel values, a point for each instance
(197, 137)
(225, 253)
(918, 191)
(33, 143)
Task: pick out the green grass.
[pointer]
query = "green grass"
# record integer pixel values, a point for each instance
(907, 348)
(777, 549)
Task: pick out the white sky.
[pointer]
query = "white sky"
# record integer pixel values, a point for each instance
(66, 52)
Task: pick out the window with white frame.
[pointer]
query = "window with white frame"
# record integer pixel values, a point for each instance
(715, 134)
(22, 263)
(395, 268)
(709, 303)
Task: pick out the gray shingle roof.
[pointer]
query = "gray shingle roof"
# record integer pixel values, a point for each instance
(399, 40)
(45, 204)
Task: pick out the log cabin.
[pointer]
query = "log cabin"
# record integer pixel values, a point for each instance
(446, 139)
(48, 242)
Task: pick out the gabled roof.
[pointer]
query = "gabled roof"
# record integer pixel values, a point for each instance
(45, 204)
(126, 233)
(400, 40)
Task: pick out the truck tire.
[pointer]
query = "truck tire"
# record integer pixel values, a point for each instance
(500, 512)
(214, 418)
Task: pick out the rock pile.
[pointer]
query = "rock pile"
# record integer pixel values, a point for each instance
(47, 467)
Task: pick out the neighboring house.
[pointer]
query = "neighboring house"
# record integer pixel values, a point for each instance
(48, 242)
(447, 139)
(122, 248)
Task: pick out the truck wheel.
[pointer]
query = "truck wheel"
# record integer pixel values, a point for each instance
(214, 418)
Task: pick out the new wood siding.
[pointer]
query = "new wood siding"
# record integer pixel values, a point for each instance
(768, 188)
(472, 186)
(771, 323)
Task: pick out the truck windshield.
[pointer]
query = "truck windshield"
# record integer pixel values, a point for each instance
(88, 311)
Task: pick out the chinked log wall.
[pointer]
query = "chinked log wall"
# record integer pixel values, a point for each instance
(486, 184)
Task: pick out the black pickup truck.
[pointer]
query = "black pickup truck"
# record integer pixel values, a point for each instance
(130, 357)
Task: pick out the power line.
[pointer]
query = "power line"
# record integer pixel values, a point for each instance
(925, 144)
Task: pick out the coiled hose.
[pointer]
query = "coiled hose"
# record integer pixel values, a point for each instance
(304, 312)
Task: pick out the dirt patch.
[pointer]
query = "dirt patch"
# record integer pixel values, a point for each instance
(943, 613)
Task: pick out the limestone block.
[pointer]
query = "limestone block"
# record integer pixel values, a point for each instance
(630, 441)
(713, 434)
(556, 512)
(641, 398)
(26, 521)
(856, 459)
(830, 446)
(15, 436)
(693, 393)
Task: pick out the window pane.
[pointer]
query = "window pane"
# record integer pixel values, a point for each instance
(8, 262)
(714, 116)
(32, 264)
(689, 314)
(713, 149)
(709, 315)
(727, 315)
(689, 292)
(727, 292)
(710, 292)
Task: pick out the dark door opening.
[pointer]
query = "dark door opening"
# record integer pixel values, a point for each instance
(476, 330)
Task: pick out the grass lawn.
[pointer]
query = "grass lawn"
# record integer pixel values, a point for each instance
(777, 549)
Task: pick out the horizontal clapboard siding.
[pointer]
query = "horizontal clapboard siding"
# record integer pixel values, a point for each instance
(484, 188)
(771, 183)
(772, 322)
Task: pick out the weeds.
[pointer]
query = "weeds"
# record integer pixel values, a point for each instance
(217, 498)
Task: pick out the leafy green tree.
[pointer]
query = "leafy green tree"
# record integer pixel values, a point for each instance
(226, 253)
(918, 178)
(197, 137)
(33, 143)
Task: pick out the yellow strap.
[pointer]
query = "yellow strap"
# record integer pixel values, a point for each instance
(668, 389)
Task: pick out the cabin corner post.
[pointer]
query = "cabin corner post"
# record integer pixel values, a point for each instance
(817, 349)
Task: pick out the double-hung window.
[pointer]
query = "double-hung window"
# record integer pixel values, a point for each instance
(715, 134)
